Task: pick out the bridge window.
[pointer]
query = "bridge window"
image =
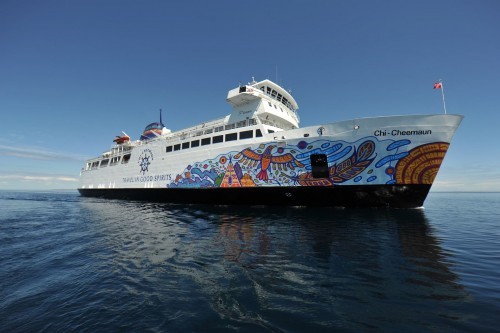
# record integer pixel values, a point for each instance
(185, 145)
(177, 147)
(195, 143)
(169, 149)
(126, 158)
(205, 141)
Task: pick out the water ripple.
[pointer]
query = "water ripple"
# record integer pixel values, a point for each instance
(78, 264)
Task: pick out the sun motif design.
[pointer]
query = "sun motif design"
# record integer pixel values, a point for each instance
(144, 164)
(145, 160)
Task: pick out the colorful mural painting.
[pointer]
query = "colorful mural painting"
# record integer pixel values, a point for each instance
(277, 164)
(422, 164)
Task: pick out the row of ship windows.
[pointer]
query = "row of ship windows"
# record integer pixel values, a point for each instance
(185, 145)
(216, 139)
(105, 162)
(275, 95)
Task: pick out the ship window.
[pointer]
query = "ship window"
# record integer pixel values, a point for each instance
(104, 163)
(126, 158)
(262, 88)
(258, 133)
(274, 93)
(280, 97)
(205, 141)
(218, 139)
(270, 104)
(231, 136)
(268, 91)
(246, 134)
(185, 145)
(208, 131)
(219, 129)
(169, 149)
(243, 89)
(270, 131)
(115, 160)
(177, 147)
(195, 143)
(319, 164)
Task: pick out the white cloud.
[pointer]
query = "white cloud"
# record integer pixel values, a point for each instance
(484, 178)
(38, 153)
(37, 181)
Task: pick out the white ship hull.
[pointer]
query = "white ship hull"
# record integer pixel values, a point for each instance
(382, 161)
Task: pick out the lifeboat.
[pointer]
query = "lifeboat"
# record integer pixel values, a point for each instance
(121, 139)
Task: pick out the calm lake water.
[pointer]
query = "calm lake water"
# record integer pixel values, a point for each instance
(92, 265)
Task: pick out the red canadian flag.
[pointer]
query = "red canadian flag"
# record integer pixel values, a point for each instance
(439, 85)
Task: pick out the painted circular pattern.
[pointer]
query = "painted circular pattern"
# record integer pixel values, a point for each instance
(302, 145)
(422, 164)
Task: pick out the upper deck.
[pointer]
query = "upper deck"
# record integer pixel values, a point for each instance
(265, 101)
(261, 107)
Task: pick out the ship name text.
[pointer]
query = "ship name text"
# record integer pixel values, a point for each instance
(398, 132)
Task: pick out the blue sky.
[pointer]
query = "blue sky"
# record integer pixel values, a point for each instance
(75, 73)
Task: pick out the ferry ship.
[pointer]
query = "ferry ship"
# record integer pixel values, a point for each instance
(258, 155)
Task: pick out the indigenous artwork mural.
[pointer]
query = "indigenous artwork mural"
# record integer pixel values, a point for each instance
(277, 164)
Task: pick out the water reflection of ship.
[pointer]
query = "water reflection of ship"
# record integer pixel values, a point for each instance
(243, 243)
(369, 242)
(250, 261)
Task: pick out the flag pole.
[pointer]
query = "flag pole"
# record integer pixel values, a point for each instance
(439, 85)
(442, 94)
